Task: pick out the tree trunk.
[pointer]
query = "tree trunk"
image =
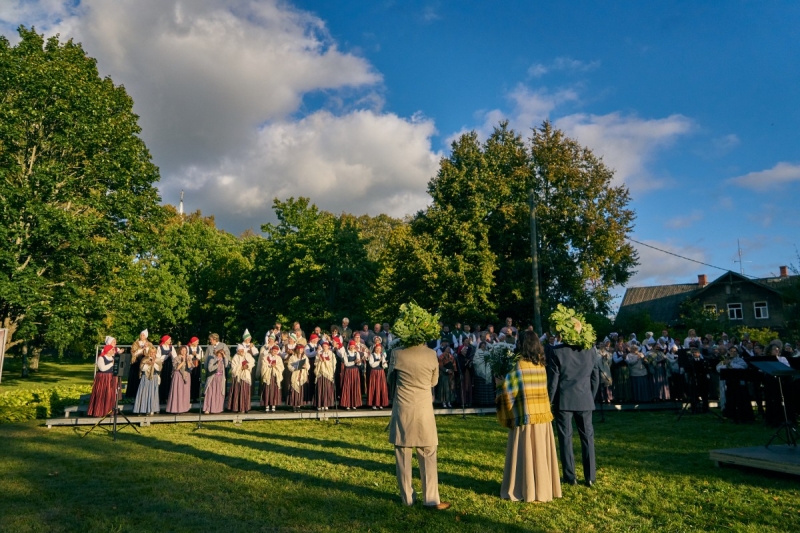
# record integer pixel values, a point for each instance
(33, 362)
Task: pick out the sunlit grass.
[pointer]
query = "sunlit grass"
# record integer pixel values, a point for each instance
(653, 475)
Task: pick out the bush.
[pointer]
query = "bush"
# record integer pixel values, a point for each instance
(29, 404)
(762, 336)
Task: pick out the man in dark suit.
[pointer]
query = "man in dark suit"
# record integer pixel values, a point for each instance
(573, 377)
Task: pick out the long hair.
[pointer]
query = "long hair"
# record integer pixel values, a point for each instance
(532, 349)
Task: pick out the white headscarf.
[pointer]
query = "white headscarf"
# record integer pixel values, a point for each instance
(109, 339)
(145, 332)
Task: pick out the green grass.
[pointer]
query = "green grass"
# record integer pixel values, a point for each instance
(653, 475)
(51, 372)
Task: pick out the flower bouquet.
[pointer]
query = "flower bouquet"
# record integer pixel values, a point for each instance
(573, 327)
(501, 359)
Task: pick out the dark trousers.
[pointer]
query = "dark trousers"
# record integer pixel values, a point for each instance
(583, 419)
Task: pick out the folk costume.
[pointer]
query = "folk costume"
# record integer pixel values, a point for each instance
(249, 347)
(620, 373)
(312, 348)
(351, 378)
(271, 376)
(659, 378)
(298, 365)
(325, 369)
(639, 381)
(147, 401)
(194, 363)
(216, 361)
(531, 468)
(378, 392)
(241, 380)
(139, 349)
(179, 400)
(447, 373)
(167, 354)
(104, 388)
(605, 392)
(465, 370)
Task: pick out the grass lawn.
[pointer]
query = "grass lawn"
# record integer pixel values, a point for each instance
(51, 372)
(653, 475)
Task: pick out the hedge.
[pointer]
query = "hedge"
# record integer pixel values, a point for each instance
(29, 404)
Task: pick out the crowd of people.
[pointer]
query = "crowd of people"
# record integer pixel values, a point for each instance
(692, 369)
(348, 369)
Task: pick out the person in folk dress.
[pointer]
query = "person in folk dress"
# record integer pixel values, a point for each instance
(638, 372)
(447, 372)
(194, 364)
(312, 348)
(351, 377)
(104, 388)
(299, 366)
(531, 467)
(325, 369)
(139, 349)
(180, 391)
(241, 380)
(250, 347)
(271, 376)
(216, 362)
(167, 354)
(147, 401)
(378, 392)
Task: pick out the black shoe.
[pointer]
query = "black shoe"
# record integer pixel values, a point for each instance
(590, 483)
(565, 481)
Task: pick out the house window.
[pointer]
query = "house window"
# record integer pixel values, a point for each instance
(735, 312)
(712, 308)
(761, 309)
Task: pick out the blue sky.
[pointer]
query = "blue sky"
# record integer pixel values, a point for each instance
(695, 104)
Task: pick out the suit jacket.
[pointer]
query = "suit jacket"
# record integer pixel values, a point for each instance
(573, 377)
(416, 370)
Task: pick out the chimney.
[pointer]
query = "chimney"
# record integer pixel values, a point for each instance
(784, 272)
(702, 280)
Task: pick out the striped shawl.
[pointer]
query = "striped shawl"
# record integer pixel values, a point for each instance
(523, 397)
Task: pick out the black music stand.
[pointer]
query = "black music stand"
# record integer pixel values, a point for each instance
(122, 363)
(779, 371)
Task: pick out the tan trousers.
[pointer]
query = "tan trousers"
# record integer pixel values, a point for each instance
(426, 455)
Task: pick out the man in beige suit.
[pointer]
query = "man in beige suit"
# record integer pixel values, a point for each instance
(413, 424)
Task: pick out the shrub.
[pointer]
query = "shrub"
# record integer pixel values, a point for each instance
(29, 404)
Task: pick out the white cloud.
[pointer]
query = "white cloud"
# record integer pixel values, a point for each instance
(564, 64)
(220, 86)
(626, 143)
(776, 177)
(362, 162)
(684, 221)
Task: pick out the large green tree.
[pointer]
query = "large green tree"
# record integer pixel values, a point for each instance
(76, 190)
(480, 204)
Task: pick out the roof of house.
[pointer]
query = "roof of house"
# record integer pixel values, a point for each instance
(662, 302)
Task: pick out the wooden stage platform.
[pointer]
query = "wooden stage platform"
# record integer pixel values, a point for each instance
(256, 414)
(778, 458)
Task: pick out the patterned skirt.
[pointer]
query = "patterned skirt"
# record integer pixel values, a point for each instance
(147, 397)
(326, 390)
(104, 394)
(239, 399)
(271, 392)
(179, 401)
(215, 394)
(378, 393)
(351, 387)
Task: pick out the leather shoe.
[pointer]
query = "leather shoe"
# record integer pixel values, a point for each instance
(443, 506)
(590, 483)
(565, 481)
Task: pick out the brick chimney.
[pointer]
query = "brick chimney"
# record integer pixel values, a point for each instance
(702, 280)
(784, 272)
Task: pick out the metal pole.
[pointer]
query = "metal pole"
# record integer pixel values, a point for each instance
(537, 310)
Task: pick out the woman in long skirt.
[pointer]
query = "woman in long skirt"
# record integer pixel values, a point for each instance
(194, 363)
(638, 371)
(325, 370)
(181, 387)
(271, 376)
(620, 373)
(241, 380)
(378, 392)
(660, 383)
(351, 377)
(531, 468)
(447, 374)
(139, 349)
(299, 366)
(147, 401)
(215, 383)
(604, 391)
(104, 388)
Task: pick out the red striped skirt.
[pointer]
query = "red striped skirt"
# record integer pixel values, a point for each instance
(351, 387)
(325, 392)
(378, 393)
(104, 394)
(239, 400)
